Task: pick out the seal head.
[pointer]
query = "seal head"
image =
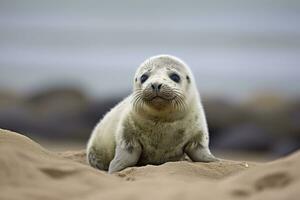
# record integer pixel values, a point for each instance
(162, 86)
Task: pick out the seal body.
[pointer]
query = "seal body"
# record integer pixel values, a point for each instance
(162, 120)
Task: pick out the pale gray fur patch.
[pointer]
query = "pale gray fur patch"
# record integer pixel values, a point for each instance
(129, 141)
(96, 160)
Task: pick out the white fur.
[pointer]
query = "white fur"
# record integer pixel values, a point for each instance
(156, 136)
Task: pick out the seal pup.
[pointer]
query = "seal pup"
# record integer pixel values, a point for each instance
(162, 120)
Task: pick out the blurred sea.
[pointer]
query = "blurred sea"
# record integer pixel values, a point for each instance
(235, 48)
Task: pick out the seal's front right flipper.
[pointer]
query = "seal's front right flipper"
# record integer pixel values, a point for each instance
(124, 157)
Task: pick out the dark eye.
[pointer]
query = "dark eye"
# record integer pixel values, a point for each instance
(175, 77)
(144, 77)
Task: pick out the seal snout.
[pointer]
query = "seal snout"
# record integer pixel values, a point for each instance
(158, 90)
(156, 86)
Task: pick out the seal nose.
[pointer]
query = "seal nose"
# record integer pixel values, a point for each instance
(156, 86)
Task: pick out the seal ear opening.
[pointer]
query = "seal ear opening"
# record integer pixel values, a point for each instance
(188, 79)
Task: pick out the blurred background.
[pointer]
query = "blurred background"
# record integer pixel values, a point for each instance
(64, 64)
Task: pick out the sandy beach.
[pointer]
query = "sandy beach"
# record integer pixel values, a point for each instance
(28, 171)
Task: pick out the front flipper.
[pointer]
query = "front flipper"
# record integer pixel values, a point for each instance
(198, 152)
(126, 155)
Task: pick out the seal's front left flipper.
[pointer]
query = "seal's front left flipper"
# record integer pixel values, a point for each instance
(199, 153)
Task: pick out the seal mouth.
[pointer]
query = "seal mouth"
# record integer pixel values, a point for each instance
(159, 102)
(168, 99)
(158, 97)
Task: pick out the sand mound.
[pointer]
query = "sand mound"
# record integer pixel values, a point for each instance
(27, 171)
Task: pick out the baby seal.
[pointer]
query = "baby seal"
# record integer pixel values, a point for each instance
(162, 120)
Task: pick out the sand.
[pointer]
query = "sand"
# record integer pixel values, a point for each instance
(28, 171)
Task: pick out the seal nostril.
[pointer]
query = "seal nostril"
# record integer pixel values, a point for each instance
(153, 86)
(159, 86)
(156, 86)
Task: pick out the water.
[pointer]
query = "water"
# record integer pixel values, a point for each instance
(235, 49)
